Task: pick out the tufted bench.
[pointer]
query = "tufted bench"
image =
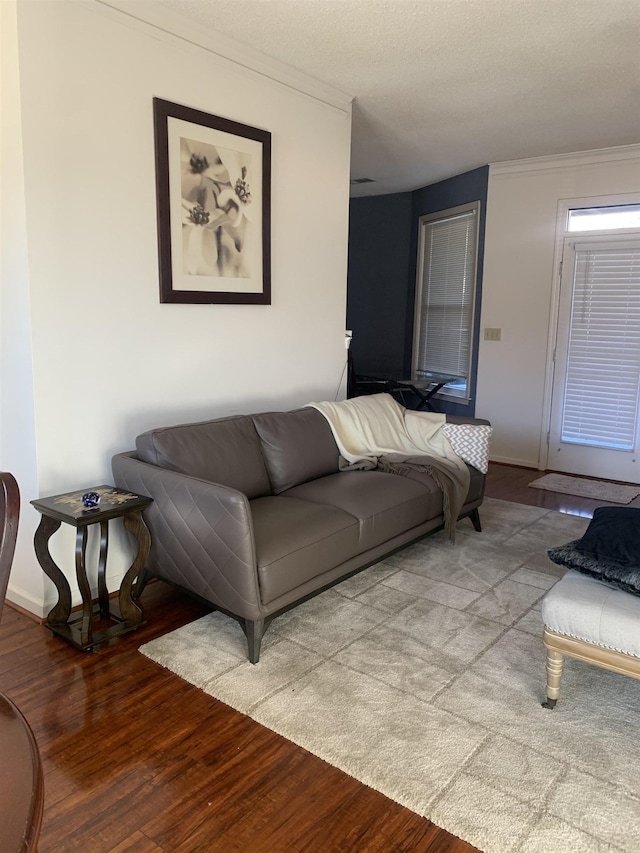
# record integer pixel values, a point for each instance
(592, 621)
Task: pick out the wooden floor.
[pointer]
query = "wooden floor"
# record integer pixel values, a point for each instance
(509, 483)
(138, 761)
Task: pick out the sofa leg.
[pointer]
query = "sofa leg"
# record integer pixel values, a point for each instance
(474, 515)
(254, 632)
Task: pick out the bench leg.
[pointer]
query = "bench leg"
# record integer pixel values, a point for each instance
(555, 663)
(254, 632)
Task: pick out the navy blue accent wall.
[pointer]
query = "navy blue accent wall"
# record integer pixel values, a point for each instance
(379, 261)
(383, 244)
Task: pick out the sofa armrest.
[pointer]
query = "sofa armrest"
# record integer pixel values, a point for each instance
(465, 419)
(201, 534)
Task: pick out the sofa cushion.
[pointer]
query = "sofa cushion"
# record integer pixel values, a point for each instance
(298, 540)
(225, 451)
(297, 446)
(583, 607)
(384, 504)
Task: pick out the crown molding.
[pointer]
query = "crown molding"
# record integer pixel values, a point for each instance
(166, 22)
(562, 161)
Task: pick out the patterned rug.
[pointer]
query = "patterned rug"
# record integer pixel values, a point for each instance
(422, 677)
(598, 489)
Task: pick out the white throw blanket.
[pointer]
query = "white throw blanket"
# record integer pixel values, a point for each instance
(379, 432)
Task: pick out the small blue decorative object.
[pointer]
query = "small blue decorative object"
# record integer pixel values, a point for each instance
(91, 500)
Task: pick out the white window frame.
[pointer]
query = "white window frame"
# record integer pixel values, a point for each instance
(562, 232)
(457, 395)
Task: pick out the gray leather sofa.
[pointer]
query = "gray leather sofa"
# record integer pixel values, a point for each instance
(252, 514)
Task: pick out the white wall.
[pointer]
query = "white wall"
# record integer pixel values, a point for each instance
(518, 285)
(17, 424)
(108, 359)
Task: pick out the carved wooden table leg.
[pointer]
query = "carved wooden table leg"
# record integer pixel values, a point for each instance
(103, 592)
(129, 609)
(59, 614)
(86, 634)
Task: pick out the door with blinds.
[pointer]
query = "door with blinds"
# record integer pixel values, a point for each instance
(595, 422)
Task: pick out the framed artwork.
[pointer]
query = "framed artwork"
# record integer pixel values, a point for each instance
(213, 184)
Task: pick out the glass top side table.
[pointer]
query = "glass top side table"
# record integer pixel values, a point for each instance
(425, 385)
(68, 508)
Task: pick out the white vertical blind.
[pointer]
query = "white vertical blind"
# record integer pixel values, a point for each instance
(446, 295)
(603, 368)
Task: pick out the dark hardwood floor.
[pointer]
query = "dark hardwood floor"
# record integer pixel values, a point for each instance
(510, 483)
(138, 761)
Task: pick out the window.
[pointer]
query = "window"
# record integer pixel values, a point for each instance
(611, 218)
(445, 295)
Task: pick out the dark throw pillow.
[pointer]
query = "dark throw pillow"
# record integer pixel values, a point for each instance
(609, 549)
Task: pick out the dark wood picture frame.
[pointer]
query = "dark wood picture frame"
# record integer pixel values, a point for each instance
(213, 186)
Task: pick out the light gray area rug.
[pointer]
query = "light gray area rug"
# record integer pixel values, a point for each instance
(598, 489)
(422, 677)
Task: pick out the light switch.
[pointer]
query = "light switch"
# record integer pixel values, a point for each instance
(492, 334)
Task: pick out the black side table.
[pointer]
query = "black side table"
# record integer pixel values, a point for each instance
(124, 616)
(425, 387)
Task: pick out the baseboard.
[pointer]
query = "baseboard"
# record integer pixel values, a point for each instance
(26, 604)
(23, 612)
(38, 609)
(519, 463)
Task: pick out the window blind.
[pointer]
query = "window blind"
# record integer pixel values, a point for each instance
(447, 288)
(602, 383)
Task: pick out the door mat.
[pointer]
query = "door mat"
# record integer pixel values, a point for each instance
(598, 489)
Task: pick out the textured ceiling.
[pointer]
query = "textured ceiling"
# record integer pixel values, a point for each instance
(443, 86)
